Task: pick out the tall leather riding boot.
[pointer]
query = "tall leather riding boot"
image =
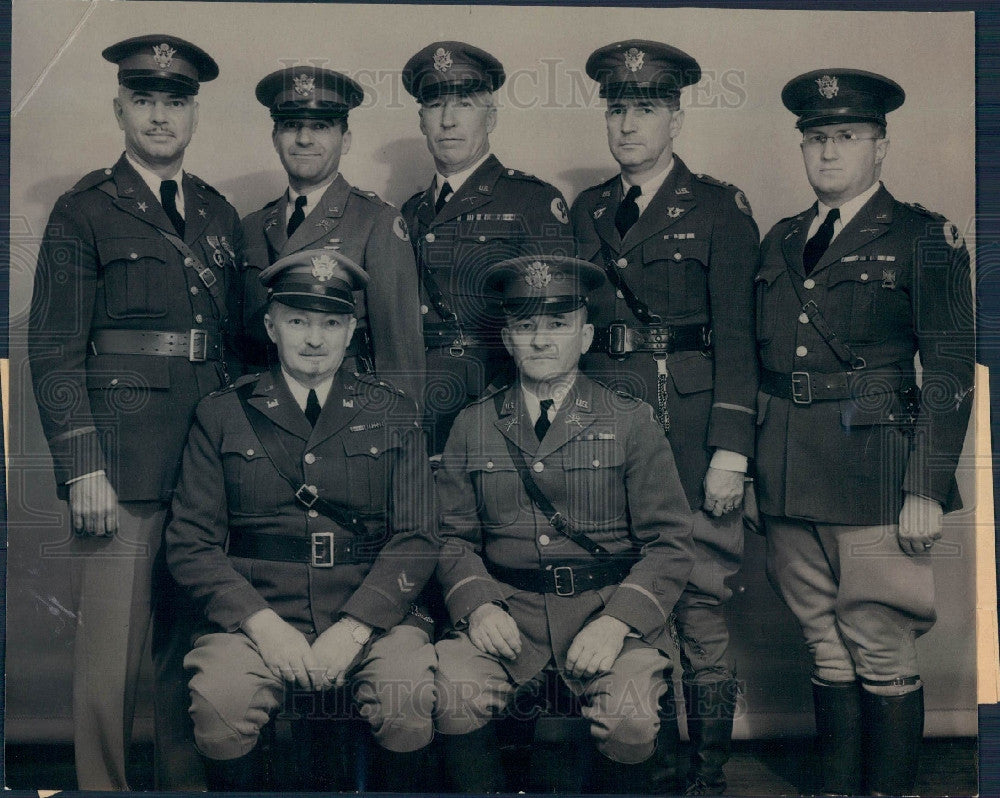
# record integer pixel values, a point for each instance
(894, 727)
(710, 709)
(394, 771)
(472, 761)
(243, 774)
(616, 778)
(838, 736)
(664, 778)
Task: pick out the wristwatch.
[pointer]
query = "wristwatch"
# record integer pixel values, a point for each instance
(359, 631)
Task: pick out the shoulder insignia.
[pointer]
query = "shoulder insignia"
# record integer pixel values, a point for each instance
(616, 391)
(952, 236)
(712, 181)
(240, 382)
(400, 229)
(368, 195)
(916, 206)
(202, 184)
(375, 382)
(743, 203)
(558, 208)
(489, 393)
(90, 180)
(516, 174)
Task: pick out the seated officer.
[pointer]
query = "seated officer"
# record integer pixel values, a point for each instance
(303, 528)
(566, 539)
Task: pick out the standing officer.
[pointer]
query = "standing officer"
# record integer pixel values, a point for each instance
(855, 464)
(475, 213)
(675, 327)
(303, 528)
(321, 210)
(136, 287)
(565, 540)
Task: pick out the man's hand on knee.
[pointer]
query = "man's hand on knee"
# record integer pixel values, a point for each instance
(493, 631)
(335, 650)
(284, 649)
(93, 505)
(596, 647)
(723, 491)
(920, 524)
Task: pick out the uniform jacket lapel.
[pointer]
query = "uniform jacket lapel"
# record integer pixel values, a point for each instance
(275, 224)
(794, 241)
(425, 209)
(872, 221)
(475, 192)
(196, 210)
(671, 203)
(343, 403)
(321, 219)
(133, 196)
(574, 416)
(272, 398)
(514, 423)
(604, 216)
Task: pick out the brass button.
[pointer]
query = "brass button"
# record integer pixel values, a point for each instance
(482, 239)
(189, 261)
(310, 458)
(489, 464)
(801, 351)
(622, 263)
(249, 452)
(619, 294)
(544, 540)
(804, 318)
(374, 450)
(194, 289)
(538, 467)
(864, 276)
(677, 256)
(810, 283)
(596, 464)
(424, 310)
(429, 238)
(198, 318)
(313, 514)
(133, 255)
(114, 381)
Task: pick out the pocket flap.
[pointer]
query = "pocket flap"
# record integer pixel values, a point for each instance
(693, 374)
(373, 443)
(676, 249)
(769, 273)
(131, 249)
(851, 272)
(591, 454)
(246, 446)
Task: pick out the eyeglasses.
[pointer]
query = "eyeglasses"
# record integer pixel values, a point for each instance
(843, 138)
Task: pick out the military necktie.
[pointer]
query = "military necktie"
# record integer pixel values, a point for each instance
(168, 199)
(442, 197)
(543, 423)
(312, 407)
(818, 244)
(628, 211)
(298, 215)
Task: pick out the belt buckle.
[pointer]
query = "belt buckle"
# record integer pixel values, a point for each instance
(321, 550)
(197, 346)
(207, 277)
(560, 578)
(617, 338)
(800, 396)
(307, 495)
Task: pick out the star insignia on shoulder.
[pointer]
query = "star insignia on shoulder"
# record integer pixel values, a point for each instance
(203, 213)
(142, 207)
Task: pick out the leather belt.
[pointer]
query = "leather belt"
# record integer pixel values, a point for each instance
(804, 387)
(564, 580)
(320, 550)
(619, 339)
(195, 345)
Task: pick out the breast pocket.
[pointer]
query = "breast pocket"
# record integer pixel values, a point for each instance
(253, 487)
(681, 266)
(766, 295)
(498, 488)
(595, 488)
(135, 279)
(369, 457)
(869, 298)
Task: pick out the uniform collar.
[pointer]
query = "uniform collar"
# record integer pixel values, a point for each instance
(848, 210)
(457, 180)
(301, 393)
(153, 180)
(649, 187)
(313, 196)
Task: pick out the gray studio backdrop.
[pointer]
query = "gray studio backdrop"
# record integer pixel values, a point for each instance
(550, 124)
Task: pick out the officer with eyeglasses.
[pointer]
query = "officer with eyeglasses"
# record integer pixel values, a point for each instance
(855, 463)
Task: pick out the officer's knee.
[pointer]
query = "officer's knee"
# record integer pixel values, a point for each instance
(629, 740)
(221, 734)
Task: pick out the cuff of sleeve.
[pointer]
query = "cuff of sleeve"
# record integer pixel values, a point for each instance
(732, 430)
(725, 460)
(474, 592)
(233, 607)
(77, 454)
(100, 472)
(918, 482)
(375, 608)
(632, 604)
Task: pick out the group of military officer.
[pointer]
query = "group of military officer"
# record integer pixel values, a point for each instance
(591, 385)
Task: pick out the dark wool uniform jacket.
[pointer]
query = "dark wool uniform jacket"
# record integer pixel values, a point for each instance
(366, 452)
(691, 257)
(894, 283)
(104, 265)
(604, 464)
(370, 232)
